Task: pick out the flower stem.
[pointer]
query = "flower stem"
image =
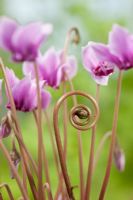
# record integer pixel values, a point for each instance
(100, 148)
(43, 154)
(6, 186)
(91, 159)
(40, 137)
(25, 149)
(53, 143)
(113, 138)
(15, 173)
(47, 187)
(14, 115)
(80, 151)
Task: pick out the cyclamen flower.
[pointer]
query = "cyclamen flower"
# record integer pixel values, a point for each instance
(23, 41)
(25, 94)
(51, 69)
(98, 61)
(121, 45)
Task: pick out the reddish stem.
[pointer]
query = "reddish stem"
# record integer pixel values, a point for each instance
(6, 186)
(15, 173)
(113, 138)
(80, 151)
(40, 137)
(91, 159)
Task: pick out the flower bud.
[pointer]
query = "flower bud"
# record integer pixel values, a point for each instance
(15, 157)
(119, 158)
(5, 128)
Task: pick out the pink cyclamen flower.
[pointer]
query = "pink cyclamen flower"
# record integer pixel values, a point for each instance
(25, 94)
(22, 41)
(51, 69)
(98, 61)
(121, 46)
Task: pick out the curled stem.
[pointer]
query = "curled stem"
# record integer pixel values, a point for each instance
(57, 134)
(113, 138)
(91, 158)
(75, 39)
(80, 150)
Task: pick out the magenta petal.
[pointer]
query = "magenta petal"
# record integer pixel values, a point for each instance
(7, 29)
(49, 65)
(94, 53)
(50, 61)
(101, 80)
(121, 43)
(25, 95)
(46, 98)
(99, 62)
(28, 69)
(11, 77)
(27, 39)
(70, 67)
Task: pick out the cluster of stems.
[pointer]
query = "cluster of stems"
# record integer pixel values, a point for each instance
(81, 118)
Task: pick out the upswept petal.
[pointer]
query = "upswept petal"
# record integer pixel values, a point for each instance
(13, 80)
(25, 94)
(46, 98)
(70, 67)
(7, 28)
(23, 41)
(121, 43)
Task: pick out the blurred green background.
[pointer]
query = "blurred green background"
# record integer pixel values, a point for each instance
(94, 19)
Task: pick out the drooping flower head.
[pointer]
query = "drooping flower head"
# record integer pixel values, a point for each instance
(51, 68)
(121, 45)
(25, 94)
(98, 61)
(23, 41)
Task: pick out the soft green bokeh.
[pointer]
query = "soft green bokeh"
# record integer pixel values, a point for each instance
(94, 19)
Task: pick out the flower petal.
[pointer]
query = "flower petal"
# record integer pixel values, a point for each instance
(7, 29)
(27, 39)
(46, 98)
(11, 77)
(98, 61)
(70, 67)
(121, 43)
